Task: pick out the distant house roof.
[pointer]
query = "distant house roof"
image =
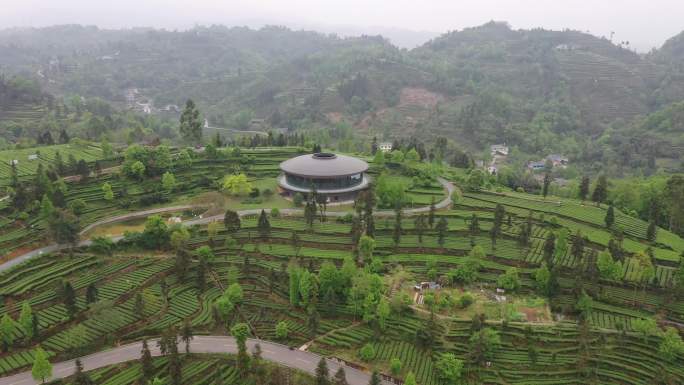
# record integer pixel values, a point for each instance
(499, 148)
(536, 165)
(556, 158)
(385, 146)
(561, 181)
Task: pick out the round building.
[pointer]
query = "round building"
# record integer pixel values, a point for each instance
(337, 177)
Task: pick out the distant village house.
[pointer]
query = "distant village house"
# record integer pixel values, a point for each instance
(385, 146)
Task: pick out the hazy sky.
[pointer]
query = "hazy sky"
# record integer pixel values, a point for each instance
(645, 23)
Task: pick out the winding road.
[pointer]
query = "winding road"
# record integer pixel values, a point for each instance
(448, 186)
(277, 353)
(280, 354)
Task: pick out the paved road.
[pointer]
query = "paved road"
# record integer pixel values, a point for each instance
(55, 247)
(206, 344)
(138, 214)
(277, 353)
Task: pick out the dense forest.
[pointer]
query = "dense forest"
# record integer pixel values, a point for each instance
(601, 104)
(509, 208)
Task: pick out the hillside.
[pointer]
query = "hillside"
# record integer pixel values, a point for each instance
(584, 301)
(539, 91)
(22, 101)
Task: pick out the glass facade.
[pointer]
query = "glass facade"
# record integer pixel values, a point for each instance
(325, 183)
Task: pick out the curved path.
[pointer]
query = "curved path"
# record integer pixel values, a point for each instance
(202, 344)
(448, 186)
(137, 214)
(274, 352)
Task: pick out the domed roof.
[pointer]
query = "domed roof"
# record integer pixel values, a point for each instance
(323, 164)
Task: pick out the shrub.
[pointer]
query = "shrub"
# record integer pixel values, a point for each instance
(252, 200)
(395, 366)
(510, 280)
(298, 200)
(281, 330)
(77, 206)
(456, 196)
(275, 213)
(465, 300)
(231, 243)
(367, 352)
(449, 368)
(347, 218)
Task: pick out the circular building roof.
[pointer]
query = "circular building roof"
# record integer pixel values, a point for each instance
(323, 165)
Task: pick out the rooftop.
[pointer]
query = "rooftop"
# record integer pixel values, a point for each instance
(323, 165)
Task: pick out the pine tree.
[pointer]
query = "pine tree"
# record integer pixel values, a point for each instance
(26, 319)
(442, 228)
(547, 182)
(42, 369)
(258, 369)
(231, 221)
(187, 335)
(499, 213)
(340, 377)
(610, 217)
(584, 188)
(35, 326)
(69, 298)
(431, 213)
(59, 163)
(419, 224)
(147, 366)
(549, 249)
(577, 249)
(396, 234)
(201, 275)
(174, 368)
(7, 328)
(81, 377)
(190, 123)
(474, 226)
(240, 332)
(375, 378)
(600, 190)
(92, 294)
(139, 304)
(264, 226)
(652, 231)
(322, 374)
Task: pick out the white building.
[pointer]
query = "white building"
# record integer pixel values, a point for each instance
(499, 149)
(385, 146)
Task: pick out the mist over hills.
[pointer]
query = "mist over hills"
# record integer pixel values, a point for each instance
(540, 91)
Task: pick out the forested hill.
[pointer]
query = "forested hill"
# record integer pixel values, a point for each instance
(540, 91)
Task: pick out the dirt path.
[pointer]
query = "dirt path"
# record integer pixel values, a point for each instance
(445, 203)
